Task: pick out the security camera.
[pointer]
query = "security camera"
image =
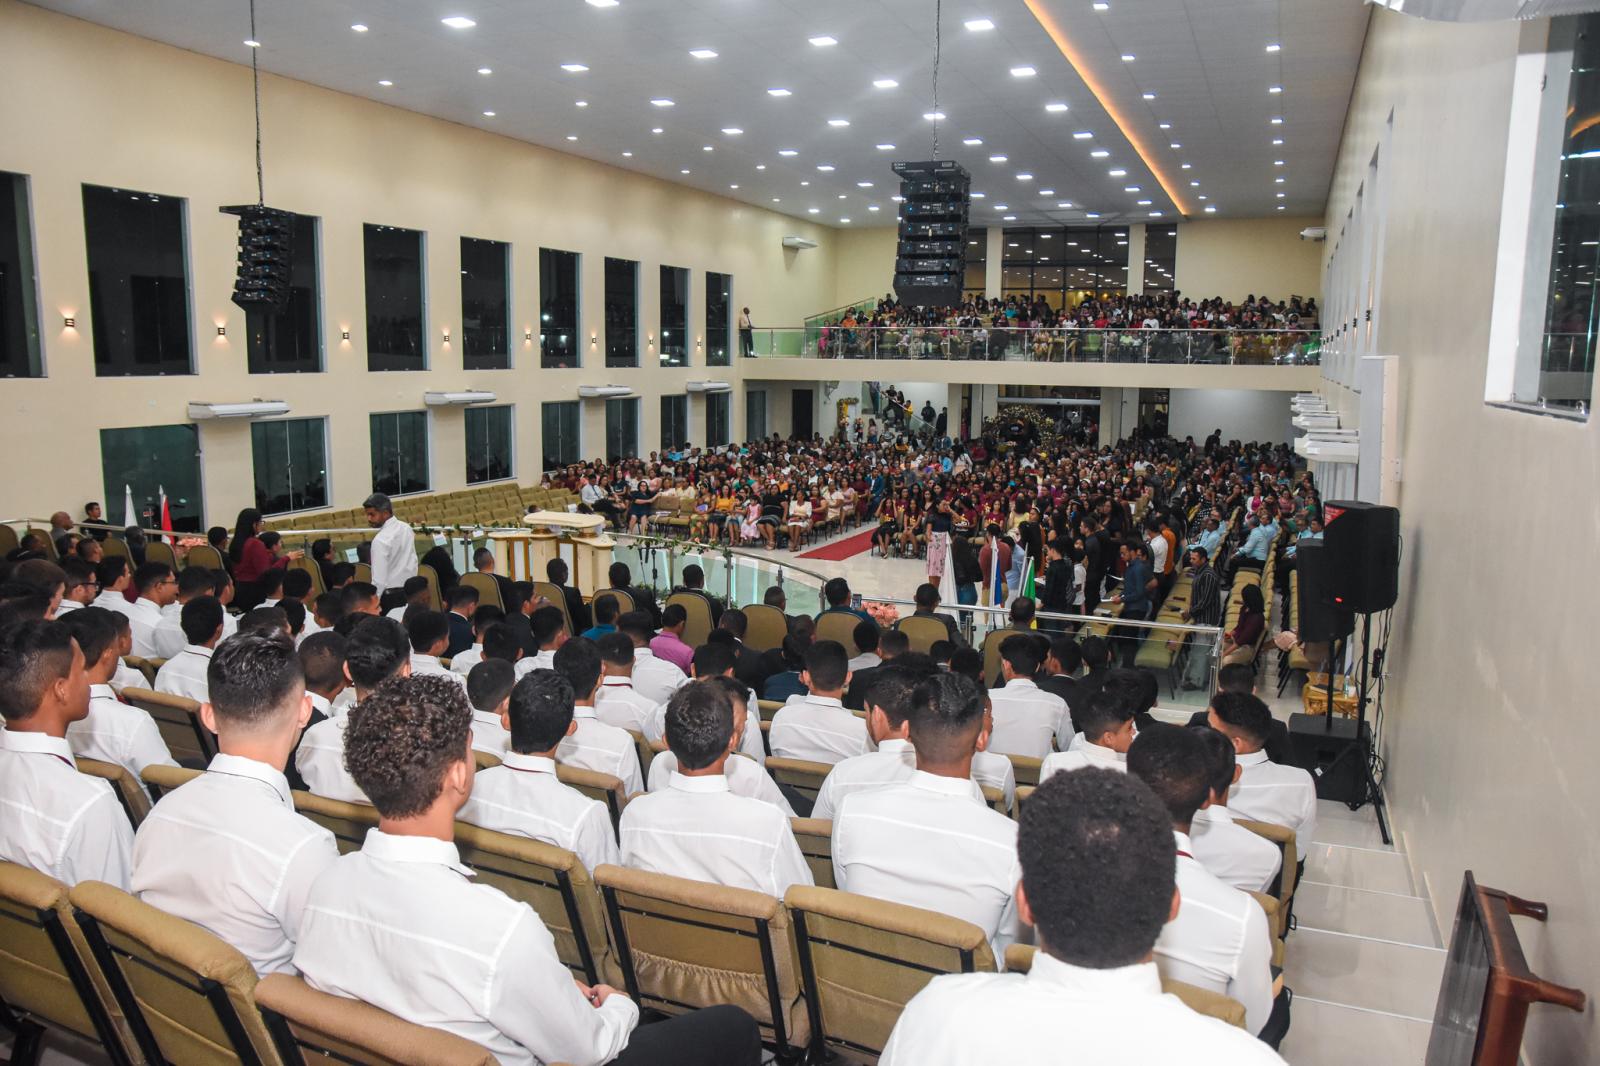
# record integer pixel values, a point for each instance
(1314, 233)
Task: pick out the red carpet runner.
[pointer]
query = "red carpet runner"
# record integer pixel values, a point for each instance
(842, 549)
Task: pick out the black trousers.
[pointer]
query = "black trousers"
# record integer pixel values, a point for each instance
(723, 1035)
(1277, 1026)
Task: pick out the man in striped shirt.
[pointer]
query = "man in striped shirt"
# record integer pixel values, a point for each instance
(1205, 609)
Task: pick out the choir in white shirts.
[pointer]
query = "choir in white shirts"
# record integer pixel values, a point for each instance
(1282, 795)
(1219, 940)
(818, 728)
(1081, 753)
(144, 617)
(401, 925)
(227, 851)
(116, 732)
(523, 796)
(54, 819)
(697, 828)
(931, 842)
(602, 748)
(1232, 853)
(185, 674)
(654, 678)
(618, 703)
(745, 777)
(489, 734)
(1058, 1012)
(1027, 719)
(320, 760)
(896, 760)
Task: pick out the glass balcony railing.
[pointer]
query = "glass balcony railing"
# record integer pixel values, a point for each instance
(1212, 346)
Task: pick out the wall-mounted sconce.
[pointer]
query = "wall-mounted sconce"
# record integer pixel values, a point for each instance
(593, 339)
(527, 334)
(222, 331)
(650, 338)
(68, 322)
(697, 342)
(447, 336)
(345, 335)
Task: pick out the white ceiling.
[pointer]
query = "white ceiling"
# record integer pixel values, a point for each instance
(1206, 61)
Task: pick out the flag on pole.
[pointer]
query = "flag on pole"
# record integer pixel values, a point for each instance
(991, 587)
(166, 511)
(130, 517)
(1027, 580)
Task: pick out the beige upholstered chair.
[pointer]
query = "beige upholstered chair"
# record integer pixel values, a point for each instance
(1284, 885)
(597, 786)
(163, 779)
(840, 627)
(815, 837)
(488, 589)
(1019, 959)
(348, 822)
(802, 775)
(135, 804)
(698, 608)
(922, 631)
(179, 721)
(765, 628)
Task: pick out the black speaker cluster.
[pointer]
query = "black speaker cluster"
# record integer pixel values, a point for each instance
(265, 256)
(931, 262)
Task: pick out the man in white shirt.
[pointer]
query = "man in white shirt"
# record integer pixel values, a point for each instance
(866, 636)
(719, 658)
(125, 676)
(52, 818)
(322, 662)
(1107, 732)
(394, 550)
(594, 745)
(816, 726)
(401, 925)
(1232, 853)
(653, 677)
(1096, 851)
(192, 582)
(1219, 939)
(429, 633)
(157, 586)
(930, 841)
(746, 776)
(113, 731)
(227, 850)
(82, 586)
(697, 827)
(482, 619)
(114, 576)
(1266, 791)
(377, 650)
(547, 628)
(522, 795)
(489, 691)
(618, 703)
(185, 673)
(1027, 719)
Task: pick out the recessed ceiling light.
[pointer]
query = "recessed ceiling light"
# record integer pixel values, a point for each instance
(898, 199)
(1185, 166)
(979, 25)
(813, 210)
(842, 196)
(1082, 135)
(1174, 145)
(1277, 162)
(1132, 188)
(707, 148)
(1275, 181)
(251, 42)
(824, 41)
(1023, 72)
(787, 151)
(1047, 192)
(1055, 108)
(627, 155)
(1064, 205)
(1127, 57)
(1002, 207)
(1118, 173)
(490, 114)
(933, 116)
(885, 147)
(979, 195)
(1149, 96)
(838, 123)
(805, 183)
(1277, 120)
(1143, 203)
(1274, 47)
(761, 166)
(574, 68)
(844, 221)
(732, 131)
(603, 3)
(385, 82)
(778, 92)
(580, 103)
(1194, 185)
(826, 168)
(1101, 6)
(1099, 153)
(1275, 89)
(1090, 214)
(972, 142)
(702, 53)
(485, 71)
(685, 170)
(885, 83)
(1277, 140)
(1281, 195)
(661, 101)
(458, 22)
(658, 129)
(1008, 218)
(359, 27)
(1211, 209)
(1280, 207)
(872, 207)
(777, 199)
(1024, 176)
(733, 186)
(863, 184)
(997, 159)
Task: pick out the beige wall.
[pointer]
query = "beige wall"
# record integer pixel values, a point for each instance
(1233, 258)
(864, 263)
(1490, 729)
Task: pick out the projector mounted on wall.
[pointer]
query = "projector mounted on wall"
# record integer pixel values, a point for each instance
(457, 399)
(254, 409)
(603, 392)
(708, 386)
(799, 242)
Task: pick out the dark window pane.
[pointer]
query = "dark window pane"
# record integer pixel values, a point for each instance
(1566, 366)
(558, 309)
(19, 308)
(674, 422)
(718, 406)
(622, 312)
(674, 340)
(291, 464)
(395, 324)
(488, 444)
(146, 460)
(1160, 257)
(560, 436)
(138, 282)
(290, 341)
(485, 304)
(755, 414)
(622, 429)
(719, 318)
(400, 453)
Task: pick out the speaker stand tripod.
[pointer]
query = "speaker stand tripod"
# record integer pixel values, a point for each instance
(1362, 748)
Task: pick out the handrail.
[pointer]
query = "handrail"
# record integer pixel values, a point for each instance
(1210, 346)
(1054, 616)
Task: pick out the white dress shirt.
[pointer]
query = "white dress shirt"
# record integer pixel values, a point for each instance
(1282, 795)
(1219, 940)
(1058, 1012)
(394, 555)
(430, 666)
(894, 761)
(654, 678)
(227, 851)
(542, 660)
(463, 662)
(1233, 854)
(522, 796)
(1026, 719)
(169, 638)
(320, 760)
(56, 820)
(865, 661)
(489, 734)
(399, 924)
(618, 703)
(697, 828)
(185, 674)
(1081, 753)
(602, 748)
(66, 607)
(745, 777)
(114, 601)
(144, 617)
(818, 728)
(127, 677)
(931, 842)
(116, 732)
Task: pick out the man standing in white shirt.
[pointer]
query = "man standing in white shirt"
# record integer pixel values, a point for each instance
(1266, 791)
(1027, 719)
(489, 691)
(1219, 939)
(653, 677)
(157, 586)
(930, 841)
(227, 850)
(816, 726)
(618, 703)
(185, 673)
(697, 827)
(746, 776)
(376, 651)
(113, 732)
(1107, 732)
(1233, 853)
(523, 795)
(594, 745)
(1096, 851)
(52, 818)
(394, 551)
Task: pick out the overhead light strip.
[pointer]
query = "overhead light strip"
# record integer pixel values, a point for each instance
(1075, 58)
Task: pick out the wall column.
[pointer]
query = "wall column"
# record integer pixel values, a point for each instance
(1136, 259)
(994, 249)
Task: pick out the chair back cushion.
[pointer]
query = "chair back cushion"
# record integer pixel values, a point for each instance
(348, 822)
(766, 628)
(839, 626)
(802, 775)
(34, 979)
(163, 779)
(333, 1029)
(922, 631)
(698, 608)
(178, 719)
(488, 588)
(815, 837)
(135, 804)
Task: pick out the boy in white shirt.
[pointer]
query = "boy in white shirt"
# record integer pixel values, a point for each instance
(816, 726)
(653, 677)
(1027, 718)
(1106, 722)
(185, 673)
(489, 691)
(429, 633)
(1233, 853)
(1266, 791)
(376, 651)
(746, 776)
(594, 745)
(618, 703)
(113, 731)
(482, 619)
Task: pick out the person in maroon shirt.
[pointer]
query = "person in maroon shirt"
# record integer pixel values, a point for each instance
(251, 558)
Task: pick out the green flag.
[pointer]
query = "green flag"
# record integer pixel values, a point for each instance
(1027, 580)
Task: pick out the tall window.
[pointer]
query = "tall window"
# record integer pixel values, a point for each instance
(488, 444)
(972, 285)
(145, 460)
(674, 422)
(755, 414)
(400, 453)
(719, 319)
(138, 282)
(396, 324)
(558, 309)
(1160, 257)
(291, 462)
(19, 307)
(1063, 266)
(560, 439)
(485, 304)
(622, 429)
(290, 341)
(622, 312)
(719, 406)
(674, 316)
